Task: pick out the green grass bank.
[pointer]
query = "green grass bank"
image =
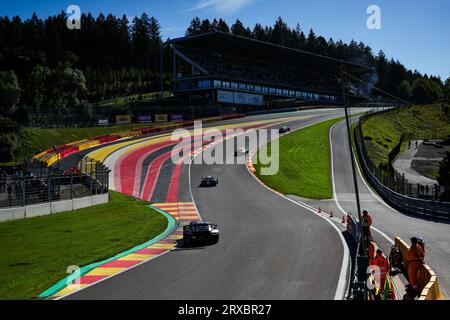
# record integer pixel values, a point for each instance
(382, 132)
(32, 141)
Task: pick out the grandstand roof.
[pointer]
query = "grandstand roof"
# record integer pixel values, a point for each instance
(224, 42)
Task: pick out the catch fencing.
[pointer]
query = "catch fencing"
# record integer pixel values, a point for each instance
(89, 179)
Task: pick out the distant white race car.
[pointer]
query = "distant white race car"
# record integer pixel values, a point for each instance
(240, 151)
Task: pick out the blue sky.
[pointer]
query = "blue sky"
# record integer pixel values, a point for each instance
(415, 32)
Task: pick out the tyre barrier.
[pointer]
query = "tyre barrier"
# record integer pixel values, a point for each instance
(429, 285)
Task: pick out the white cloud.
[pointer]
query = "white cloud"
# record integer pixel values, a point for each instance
(220, 6)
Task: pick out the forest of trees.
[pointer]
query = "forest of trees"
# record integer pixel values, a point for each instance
(59, 71)
(51, 74)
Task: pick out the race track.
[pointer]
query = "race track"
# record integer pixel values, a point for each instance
(270, 248)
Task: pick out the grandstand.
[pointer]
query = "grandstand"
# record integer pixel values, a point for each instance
(247, 74)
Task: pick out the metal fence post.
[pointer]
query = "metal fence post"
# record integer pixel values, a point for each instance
(48, 186)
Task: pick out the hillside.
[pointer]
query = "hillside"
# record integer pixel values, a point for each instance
(34, 140)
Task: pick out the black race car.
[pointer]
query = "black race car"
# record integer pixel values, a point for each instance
(209, 181)
(284, 129)
(200, 232)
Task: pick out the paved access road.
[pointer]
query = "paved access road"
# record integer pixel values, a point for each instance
(270, 248)
(390, 221)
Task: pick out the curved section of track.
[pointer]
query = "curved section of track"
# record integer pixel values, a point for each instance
(270, 248)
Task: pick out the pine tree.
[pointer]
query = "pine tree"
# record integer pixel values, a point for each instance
(259, 33)
(238, 29)
(206, 26)
(222, 26)
(194, 28)
(311, 42)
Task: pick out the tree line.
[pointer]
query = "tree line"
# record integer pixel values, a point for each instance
(51, 73)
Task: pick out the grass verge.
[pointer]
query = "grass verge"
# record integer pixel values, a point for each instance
(35, 252)
(305, 163)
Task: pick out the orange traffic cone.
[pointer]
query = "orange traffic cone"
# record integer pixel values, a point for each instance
(343, 219)
(331, 214)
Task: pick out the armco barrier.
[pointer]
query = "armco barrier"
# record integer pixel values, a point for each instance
(429, 285)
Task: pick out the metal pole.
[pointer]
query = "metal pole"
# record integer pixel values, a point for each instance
(355, 181)
(361, 255)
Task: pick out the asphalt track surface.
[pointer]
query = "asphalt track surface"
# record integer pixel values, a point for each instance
(391, 222)
(270, 248)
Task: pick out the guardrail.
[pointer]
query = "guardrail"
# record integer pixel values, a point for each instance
(407, 204)
(429, 285)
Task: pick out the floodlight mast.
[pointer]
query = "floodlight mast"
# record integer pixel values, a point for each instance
(344, 85)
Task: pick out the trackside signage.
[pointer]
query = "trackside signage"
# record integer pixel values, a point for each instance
(161, 118)
(144, 118)
(225, 96)
(123, 119)
(176, 117)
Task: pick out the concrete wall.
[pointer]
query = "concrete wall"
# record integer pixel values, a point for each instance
(43, 209)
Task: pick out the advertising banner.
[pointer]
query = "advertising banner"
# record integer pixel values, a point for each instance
(248, 99)
(123, 119)
(240, 98)
(225, 96)
(161, 118)
(144, 118)
(103, 122)
(176, 117)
